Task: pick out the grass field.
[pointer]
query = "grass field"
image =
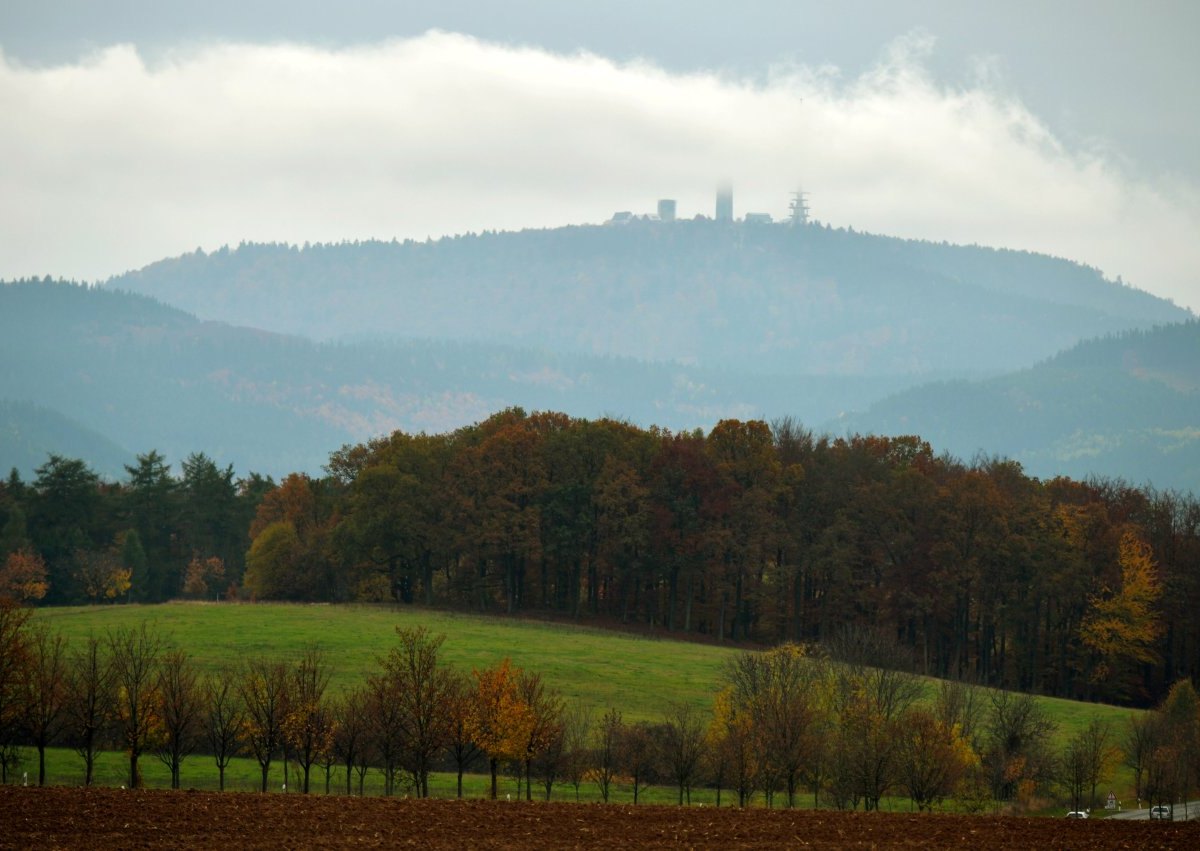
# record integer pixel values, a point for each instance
(600, 668)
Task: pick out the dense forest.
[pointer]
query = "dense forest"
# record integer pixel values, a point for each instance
(750, 533)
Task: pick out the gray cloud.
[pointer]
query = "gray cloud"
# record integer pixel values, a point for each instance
(112, 162)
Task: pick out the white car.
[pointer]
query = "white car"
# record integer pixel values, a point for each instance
(1160, 812)
(1077, 814)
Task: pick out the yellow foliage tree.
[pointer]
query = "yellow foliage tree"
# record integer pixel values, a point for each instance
(501, 722)
(1122, 624)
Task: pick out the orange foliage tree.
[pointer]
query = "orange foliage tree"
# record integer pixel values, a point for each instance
(501, 721)
(23, 577)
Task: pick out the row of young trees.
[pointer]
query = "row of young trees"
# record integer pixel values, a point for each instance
(753, 532)
(844, 725)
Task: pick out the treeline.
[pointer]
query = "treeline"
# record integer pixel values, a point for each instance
(750, 533)
(843, 725)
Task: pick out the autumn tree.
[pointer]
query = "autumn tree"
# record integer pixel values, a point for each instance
(734, 755)
(91, 697)
(1122, 623)
(263, 690)
(222, 720)
(308, 725)
(45, 691)
(203, 577)
(100, 575)
(135, 654)
(501, 722)
(23, 577)
(180, 710)
(934, 758)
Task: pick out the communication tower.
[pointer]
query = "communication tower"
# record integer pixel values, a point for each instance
(799, 207)
(724, 203)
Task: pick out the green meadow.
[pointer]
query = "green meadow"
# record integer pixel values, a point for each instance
(638, 675)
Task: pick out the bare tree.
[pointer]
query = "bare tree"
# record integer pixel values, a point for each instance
(463, 749)
(90, 702)
(1016, 743)
(223, 719)
(603, 766)
(777, 689)
(45, 691)
(13, 669)
(351, 730)
(387, 727)
(577, 731)
(135, 655)
(637, 755)
(263, 689)
(180, 710)
(546, 707)
(681, 746)
(423, 687)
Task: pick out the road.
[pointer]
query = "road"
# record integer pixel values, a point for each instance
(1189, 811)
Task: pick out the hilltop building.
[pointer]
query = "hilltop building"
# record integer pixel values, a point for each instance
(667, 211)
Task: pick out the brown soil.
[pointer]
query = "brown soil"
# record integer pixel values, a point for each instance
(114, 818)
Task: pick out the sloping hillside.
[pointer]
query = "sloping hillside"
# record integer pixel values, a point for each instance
(147, 376)
(750, 298)
(1125, 406)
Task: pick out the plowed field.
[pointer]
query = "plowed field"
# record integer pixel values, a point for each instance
(113, 818)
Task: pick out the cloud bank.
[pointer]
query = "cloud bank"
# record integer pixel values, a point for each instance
(113, 162)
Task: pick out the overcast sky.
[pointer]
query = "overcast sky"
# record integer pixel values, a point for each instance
(132, 131)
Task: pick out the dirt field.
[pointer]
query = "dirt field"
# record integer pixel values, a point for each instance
(113, 818)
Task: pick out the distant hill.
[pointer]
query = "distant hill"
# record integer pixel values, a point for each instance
(148, 376)
(1124, 406)
(761, 299)
(29, 433)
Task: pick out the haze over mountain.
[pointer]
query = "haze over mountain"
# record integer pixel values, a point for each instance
(766, 299)
(671, 324)
(1125, 406)
(148, 376)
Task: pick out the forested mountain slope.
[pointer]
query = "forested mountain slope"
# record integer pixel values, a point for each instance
(1126, 405)
(751, 298)
(29, 433)
(148, 376)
